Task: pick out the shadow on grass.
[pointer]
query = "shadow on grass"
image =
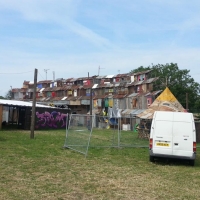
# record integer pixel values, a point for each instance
(10, 127)
(174, 162)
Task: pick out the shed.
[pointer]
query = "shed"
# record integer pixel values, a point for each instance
(18, 114)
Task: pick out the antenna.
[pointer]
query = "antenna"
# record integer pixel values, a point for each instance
(53, 75)
(46, 72)
(99, 70)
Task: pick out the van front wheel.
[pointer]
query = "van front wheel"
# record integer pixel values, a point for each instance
(151, 158)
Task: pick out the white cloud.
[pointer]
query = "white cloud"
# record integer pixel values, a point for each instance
(60, 12)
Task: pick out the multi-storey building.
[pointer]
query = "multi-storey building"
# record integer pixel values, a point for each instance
(123, 91)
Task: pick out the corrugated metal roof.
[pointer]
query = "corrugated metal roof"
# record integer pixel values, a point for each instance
(151, 80)
(84, 98)
(87, 86)
(68, 79)
(137, 111)
(100, 77)
(80, 78)
(42, 99)
(147, 116)
(67, 87)
(121, 75)
(100, 96)
(45, 81)
(119, 96)
(126, 111)
(133, 95)
(48, 89)
(95, 86)
(23, 90)
(56, 98)
(64, 98)
(42, 89)
(16, 89)
(105, 85)
(19, 103)
(75, 87)
(57, 88)
(109, 76)
(59, 79)
(132, 83)
(153, 93)
(122, 84)
(47, 99)
(139, 83)
(156, 92)
(116, 84)
(73, 79)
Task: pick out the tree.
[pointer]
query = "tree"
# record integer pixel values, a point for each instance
(140, 69)
(179, 82)
(8, 94)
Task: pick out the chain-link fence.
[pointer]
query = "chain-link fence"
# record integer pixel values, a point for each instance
(84, 131)
(78, 132)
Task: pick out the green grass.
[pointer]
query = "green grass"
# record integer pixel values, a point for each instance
(41, 169)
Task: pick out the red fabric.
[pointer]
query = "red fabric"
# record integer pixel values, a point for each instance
(87, 82)
(53, 94)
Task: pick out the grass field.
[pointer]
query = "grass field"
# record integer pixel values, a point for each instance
(41, 168)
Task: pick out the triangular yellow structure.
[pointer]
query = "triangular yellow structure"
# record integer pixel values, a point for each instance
(166, 95)
(166, 101)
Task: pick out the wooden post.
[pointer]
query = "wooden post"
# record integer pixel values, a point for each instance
(33, 106)
(1, 116)
(166, 82)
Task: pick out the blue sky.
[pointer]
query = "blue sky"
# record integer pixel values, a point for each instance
(74, 37)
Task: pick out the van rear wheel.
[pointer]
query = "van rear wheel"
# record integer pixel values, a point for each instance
(151, 158)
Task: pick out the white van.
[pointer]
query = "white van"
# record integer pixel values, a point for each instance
(173, 135)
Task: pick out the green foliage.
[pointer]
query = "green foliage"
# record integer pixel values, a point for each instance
(179, 82)
(2, 97)
(140, 69)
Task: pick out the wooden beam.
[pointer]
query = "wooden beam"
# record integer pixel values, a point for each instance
(33, 105)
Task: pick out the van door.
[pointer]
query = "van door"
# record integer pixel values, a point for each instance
(162, 134)
(183, 134)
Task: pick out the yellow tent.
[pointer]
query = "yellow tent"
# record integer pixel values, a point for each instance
(166, 101)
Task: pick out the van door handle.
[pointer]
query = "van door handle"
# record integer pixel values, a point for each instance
(175, 143)
(185, 139)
